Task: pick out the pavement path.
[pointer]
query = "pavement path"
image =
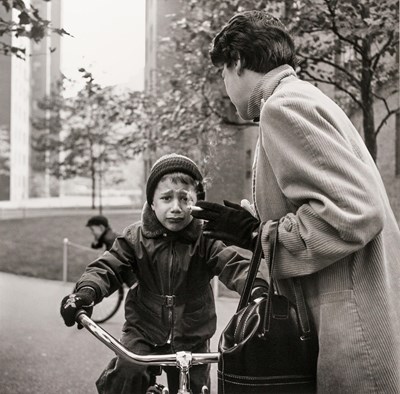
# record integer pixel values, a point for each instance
(39, 354)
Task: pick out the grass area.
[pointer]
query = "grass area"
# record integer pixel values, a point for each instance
(34, 246)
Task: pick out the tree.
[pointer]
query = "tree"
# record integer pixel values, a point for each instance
(191, 107)
(353, 46)
(350, 45)
(85, 131)
(30, 24)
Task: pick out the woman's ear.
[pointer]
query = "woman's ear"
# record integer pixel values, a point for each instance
(152, 206)
(238, 67)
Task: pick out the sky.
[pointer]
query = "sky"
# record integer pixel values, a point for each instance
(109, 41)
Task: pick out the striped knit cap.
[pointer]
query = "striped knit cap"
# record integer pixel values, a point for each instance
(168, 164)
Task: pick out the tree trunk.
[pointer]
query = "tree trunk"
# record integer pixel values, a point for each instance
(101, 190)
(93, 176)
(367, 100)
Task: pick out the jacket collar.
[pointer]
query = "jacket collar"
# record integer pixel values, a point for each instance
(265, 87)
(152, 228)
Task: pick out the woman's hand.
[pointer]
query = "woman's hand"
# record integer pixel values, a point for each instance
(230, 223)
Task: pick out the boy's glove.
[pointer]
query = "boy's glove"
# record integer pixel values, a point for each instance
(229, 222)
(82, 299)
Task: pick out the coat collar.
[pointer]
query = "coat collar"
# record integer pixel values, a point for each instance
(152, 228)
(265, 87)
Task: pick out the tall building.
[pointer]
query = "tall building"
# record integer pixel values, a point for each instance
(45, 71)
(22, 83)
(158, 21)
(14, 119)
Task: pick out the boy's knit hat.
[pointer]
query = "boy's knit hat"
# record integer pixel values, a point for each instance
(168, 164)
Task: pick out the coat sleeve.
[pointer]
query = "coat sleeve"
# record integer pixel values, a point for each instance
(231, 265)
(324, 172)
(107, 273)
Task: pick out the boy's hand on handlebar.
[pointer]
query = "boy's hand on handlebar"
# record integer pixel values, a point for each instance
(229, 222)
(83, 299)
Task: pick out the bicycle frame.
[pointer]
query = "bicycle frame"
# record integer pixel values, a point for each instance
(182, 360)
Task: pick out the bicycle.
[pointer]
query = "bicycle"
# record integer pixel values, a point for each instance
(108, 307)
(182, 360)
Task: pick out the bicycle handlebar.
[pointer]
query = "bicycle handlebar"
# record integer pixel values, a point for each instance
(117, 347)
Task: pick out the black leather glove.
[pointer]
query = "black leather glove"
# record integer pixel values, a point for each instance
(83, 299)
(230, 223)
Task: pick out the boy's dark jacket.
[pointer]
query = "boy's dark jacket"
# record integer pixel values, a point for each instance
(168, 263)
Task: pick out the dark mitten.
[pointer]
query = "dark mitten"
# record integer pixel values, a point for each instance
(83, 299)
(96, 245)
(230, 223)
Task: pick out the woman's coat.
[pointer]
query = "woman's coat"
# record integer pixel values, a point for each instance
(337, 231)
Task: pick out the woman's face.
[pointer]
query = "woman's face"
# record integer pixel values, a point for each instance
(236, 87)
(171, 204)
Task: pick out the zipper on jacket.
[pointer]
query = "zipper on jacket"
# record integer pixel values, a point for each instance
(170, 307)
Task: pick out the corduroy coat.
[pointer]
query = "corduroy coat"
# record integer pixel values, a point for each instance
(313, 173)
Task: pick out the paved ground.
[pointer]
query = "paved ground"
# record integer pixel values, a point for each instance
(38, 354)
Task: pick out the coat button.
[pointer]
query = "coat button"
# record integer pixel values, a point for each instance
(288, 225)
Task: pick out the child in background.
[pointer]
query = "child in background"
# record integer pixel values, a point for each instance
(102, 232)
(172, 308)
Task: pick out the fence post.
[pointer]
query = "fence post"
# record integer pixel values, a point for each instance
(65, 259)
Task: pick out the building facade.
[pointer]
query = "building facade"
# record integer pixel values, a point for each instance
(22, 83)
(14, 119)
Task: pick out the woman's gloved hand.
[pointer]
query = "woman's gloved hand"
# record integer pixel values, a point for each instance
(83, 299)
(230, 223)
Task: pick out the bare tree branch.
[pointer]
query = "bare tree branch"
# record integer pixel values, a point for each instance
(336, 31)
(377, 57)
(385, 119)
(333, 83)
(335, 65)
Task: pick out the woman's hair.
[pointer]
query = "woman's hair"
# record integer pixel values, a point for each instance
(257, 38)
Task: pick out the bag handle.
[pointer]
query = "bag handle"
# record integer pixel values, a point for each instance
(296, 286)
(253, 269)
(251, 276)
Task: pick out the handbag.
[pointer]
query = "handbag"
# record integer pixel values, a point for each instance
(269, 345)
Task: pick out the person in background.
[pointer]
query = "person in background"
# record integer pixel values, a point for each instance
(104, 235)
(338, 236)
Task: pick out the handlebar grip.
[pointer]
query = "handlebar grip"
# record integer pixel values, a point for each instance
(78, 315)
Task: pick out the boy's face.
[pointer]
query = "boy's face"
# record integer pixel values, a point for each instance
(171, 204)
(97, 230)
